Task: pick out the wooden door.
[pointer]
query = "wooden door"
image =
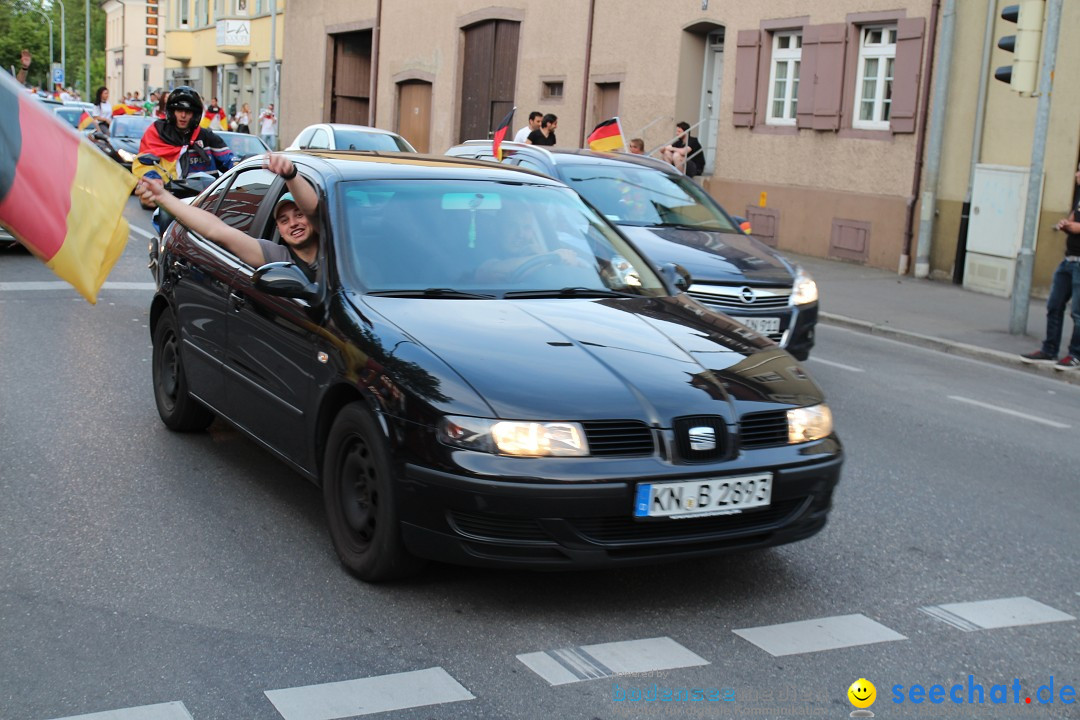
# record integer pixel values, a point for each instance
(414, 113)
(350, 87)
(489, 76)
(607, 102)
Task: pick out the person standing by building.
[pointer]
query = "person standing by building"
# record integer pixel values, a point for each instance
(546, 134)
(243, 119)
(268, 126)
(534, 124)
(215, 116)
(1064, 286)
(102, 109)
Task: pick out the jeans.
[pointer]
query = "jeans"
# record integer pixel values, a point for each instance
(1065, 285)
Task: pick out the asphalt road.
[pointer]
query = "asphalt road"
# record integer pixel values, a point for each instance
(192, 576)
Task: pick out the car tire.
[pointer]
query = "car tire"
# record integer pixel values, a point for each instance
(177, 408)
(359, 497)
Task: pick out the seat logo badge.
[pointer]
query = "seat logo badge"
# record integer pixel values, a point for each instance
(702, 439)
(747, 295)
(323, 357)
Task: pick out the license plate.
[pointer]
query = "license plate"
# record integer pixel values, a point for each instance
(699, 498)
(763, 325)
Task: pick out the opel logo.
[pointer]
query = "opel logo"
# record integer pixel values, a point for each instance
(702, 439)
(748, 295)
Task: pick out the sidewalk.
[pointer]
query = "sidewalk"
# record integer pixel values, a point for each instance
(932, 314)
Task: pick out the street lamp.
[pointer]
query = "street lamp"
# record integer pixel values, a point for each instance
(87, 48)
(63, 42)
(49, 20)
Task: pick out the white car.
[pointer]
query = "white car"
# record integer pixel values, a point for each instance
(339, 136)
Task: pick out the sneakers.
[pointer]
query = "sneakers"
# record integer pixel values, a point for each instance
(1037, 356)
(1068, 362)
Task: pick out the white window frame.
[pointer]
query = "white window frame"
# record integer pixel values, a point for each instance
(883, 52)
(791, 58)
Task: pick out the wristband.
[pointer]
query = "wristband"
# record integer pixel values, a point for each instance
(291, 175)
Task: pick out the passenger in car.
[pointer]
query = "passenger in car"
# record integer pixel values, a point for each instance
(295, 213)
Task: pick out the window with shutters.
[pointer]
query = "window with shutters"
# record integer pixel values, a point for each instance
(784, 78)
(874, 82)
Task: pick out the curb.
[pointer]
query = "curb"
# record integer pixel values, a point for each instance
(950, 347)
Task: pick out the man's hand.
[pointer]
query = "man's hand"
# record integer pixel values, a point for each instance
(279, 164)
(150, 190)
(25, 59)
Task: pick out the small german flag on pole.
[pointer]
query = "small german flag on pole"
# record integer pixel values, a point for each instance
(85, 120)
(606, 136)
(500, 135)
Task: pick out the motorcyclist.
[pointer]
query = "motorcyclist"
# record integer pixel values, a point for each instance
(180, 144)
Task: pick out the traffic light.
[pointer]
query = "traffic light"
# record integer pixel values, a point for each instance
(1026, 44)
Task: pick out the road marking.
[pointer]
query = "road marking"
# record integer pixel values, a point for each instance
(162, 711)
(842, 366)
(829, 633)
(365, 696)
(140, 231)
(993, 614)
(1007, 411)
(61, 285)
(589, 662)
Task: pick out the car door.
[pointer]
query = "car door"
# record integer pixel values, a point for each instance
(270, 357)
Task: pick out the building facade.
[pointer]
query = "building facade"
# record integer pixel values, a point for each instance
(222, 49)
(133, 59)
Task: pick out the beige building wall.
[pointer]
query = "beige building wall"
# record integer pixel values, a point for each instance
(127, 58)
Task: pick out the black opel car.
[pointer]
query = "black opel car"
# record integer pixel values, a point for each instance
(670, 218)
(486, 372)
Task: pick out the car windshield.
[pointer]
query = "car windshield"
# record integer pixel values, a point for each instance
(243, 144)
(358, 140)
(446, 238)
(649, 198)
(131, 126)
(70, 115)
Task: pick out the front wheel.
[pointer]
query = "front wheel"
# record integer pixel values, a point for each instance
(358, 494)
(178, 410)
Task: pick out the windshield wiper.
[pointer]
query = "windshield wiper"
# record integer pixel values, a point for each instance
(433, 292)
(569, 292)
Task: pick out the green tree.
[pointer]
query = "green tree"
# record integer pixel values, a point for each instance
(21, 26)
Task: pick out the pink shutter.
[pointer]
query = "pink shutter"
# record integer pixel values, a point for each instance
(829, 76)
(747, 55)
(807, 63)
(906, 74)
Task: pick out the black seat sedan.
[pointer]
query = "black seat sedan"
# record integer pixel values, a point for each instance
(486, 372)
(670, 218)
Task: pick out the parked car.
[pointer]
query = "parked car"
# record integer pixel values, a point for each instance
(671, 219)
(70, 114)
(121, 141)
(243, 145)
(486, 372)
(339, 136)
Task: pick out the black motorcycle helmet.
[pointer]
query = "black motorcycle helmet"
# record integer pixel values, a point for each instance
(183, 98)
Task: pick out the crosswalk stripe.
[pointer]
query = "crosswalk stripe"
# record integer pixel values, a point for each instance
(351, 698)
(830, 633)
(590, 662)
(994, 614)
(161, 711)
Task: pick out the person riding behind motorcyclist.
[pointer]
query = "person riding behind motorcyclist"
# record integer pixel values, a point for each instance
(180, 144)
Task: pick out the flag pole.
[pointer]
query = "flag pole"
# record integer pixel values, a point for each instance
(618, 124)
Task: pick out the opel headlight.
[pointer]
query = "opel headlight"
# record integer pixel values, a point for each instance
(514, 437)
(125, 155)
(809, 423)
(804, 290)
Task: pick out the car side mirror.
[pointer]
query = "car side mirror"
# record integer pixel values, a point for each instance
(676, 276)
(148, 159)
(285, 279)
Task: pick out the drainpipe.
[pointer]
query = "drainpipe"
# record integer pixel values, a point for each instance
(976, 146)
(937, 131)
(588, 60)
(374, 81)
(920, 142)
(272, 90)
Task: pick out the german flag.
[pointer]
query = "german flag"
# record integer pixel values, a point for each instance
(60, 197)
(85, 120)
(125, 109)
(606, 136)
(500, 135)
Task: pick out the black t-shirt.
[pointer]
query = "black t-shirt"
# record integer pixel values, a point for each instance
(272, 252)
(536, 137)
(696, 163)
(1072, 242)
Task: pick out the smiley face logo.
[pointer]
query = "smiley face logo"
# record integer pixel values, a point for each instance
(862, 693)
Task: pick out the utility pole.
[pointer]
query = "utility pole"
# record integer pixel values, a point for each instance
(1021, 296)
(273, 73)
(63, 43)
(87, 49)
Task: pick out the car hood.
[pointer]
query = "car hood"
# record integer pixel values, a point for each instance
(649, 359)
(711, 255)
(130, 144)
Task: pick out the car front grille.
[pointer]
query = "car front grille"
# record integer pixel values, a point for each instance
(498, 527)
(618, 437)
(734, 297)
(765, 429)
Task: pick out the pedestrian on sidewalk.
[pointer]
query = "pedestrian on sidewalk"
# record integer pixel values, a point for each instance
(1065, 286)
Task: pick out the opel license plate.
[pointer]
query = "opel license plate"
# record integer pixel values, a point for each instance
(700, 498)
(763, 325)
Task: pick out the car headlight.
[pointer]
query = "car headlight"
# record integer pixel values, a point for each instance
(809, 423)
(125, 155)
(804, 290)
(514, 437)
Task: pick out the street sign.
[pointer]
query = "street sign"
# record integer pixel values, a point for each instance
(57, 73)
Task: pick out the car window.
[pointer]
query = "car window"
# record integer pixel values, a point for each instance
(641, 196)
(532, 165)
(241, 202)
(483, 237)
(209, 201)
(243, 145)
(304, 138)
(70, 115)
(346, 139)
(132, 126)
(320, 140)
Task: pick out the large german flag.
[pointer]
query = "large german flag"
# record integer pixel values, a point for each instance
(606, 136)
(60, 196)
